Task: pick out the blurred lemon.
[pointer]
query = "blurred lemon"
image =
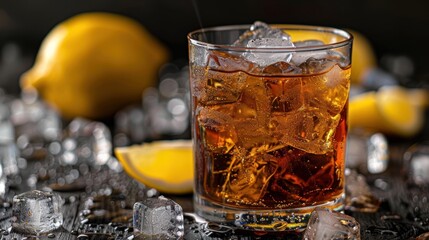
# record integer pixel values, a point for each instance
(93, 64)
(391, 110)
(363, 57)
(164, 165)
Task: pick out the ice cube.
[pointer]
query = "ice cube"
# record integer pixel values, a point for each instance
(92, 141)
(280, 68)
(216, 129)
(326, 225)
(37, 212)
(316, 64)
(270, 56)
(159, 218)
(225, 61)
(261, 35)
(302, 56)
(7, 131)
(358, 194)
(309, 129)
(261, 30)
(367, 152)
(35, 120)
(328, 91)
(9, 158)
(417, 163)
(50, 126)
(130, 122)
(285, 94)
(219, 87)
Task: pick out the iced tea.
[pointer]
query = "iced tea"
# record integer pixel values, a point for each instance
(269, 139)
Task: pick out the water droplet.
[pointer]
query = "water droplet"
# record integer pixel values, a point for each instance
(82, 237)
(390, 217)
(381, 184)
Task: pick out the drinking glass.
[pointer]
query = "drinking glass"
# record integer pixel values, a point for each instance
(269, 123)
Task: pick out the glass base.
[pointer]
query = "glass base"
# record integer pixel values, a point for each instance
(261, 220)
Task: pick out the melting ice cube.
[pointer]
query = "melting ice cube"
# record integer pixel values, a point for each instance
(9, 158)
(267, 58)
(367, 152)
(158, 218)
(7, 131)
(261, 30)
(327, 225)
(261, 35)
(35, 120)
(358, 193)
(90, 140)
(417, 161)
(37, 212)
(301, 57)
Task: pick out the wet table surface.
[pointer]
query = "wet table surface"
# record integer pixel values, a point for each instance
(99, 204)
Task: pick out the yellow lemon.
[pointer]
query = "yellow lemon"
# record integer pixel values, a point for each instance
(93, 64)
(363, 57)
(391, 110)
(164, 165)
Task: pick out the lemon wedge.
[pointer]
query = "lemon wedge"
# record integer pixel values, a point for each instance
(164, 165)
(391, 110)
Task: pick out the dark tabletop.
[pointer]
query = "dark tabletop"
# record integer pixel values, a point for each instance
(99, 204)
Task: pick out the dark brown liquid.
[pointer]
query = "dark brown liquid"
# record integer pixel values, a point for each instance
(272, 138)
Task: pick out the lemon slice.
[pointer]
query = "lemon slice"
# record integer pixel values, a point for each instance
(164, 165)
(392, 110)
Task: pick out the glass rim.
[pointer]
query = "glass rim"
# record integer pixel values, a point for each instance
(348, 38)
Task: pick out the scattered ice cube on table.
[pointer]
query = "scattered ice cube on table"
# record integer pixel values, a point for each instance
(417, 161)
(367, 152)
(35, 120)
(358, 194)
(87, 141)
(9, 158)
(37, 212)
(7, 131)
(326, 225)
(159, 218)
(378, 153)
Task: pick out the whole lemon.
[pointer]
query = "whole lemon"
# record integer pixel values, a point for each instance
(93, 64)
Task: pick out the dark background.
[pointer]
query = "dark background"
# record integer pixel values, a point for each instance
(394, 27)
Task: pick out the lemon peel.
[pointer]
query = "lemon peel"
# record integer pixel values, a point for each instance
(164, 165)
